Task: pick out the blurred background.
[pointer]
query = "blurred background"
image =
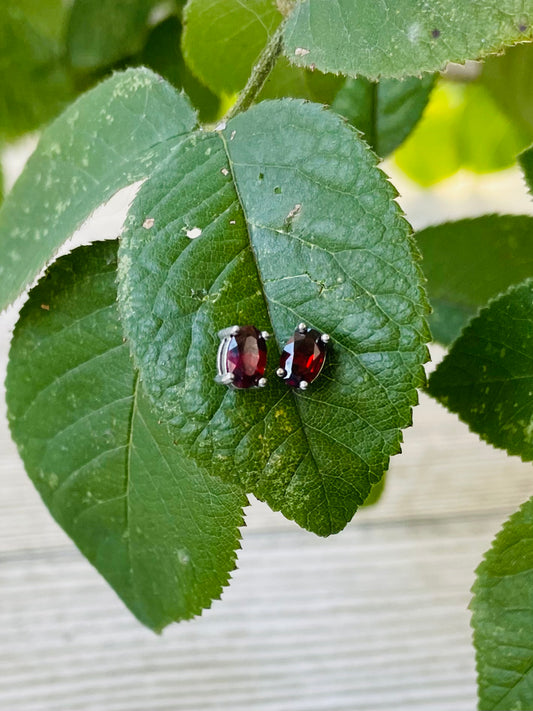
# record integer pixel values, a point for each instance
(475, 118)
(373, 618)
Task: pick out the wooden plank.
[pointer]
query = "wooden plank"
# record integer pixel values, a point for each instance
(372, 619)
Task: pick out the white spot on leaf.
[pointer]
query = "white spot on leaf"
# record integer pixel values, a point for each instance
(193, 233)
(183, 556)
(414, 31)
(148, 223)
(301, 51)
(295, 210)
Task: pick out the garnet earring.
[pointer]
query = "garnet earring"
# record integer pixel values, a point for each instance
(303, 357)
(242, 357)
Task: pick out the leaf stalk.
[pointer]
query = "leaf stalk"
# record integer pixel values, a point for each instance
(262, 68)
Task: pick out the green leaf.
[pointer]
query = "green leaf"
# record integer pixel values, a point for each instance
(487, 377)
(295, 224)
(109, 138)
(471, 261)
(398, 38)
(101, 32)
(376, 492)
(47, 18)
(223, 38)
(162, 53)
(386, 111)
(503, 617)
(34, 83)
(160, 531)
(506, 77)
(288, 81)
(526, 161)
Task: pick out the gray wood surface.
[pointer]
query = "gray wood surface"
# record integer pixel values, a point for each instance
(373, 618)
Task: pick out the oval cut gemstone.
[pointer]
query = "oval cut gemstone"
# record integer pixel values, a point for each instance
(303, 357)
(246, 357)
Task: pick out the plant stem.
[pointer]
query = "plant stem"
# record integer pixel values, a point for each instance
(259, 74)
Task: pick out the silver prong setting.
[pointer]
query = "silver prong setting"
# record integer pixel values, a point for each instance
(281, 372)
(303, 385)
(302, 327)
(325, 337)
(224, 379)
(261, 383)
(229, 332)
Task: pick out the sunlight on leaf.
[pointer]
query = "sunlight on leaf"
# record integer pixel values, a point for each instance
(462, 127)
(223, 38)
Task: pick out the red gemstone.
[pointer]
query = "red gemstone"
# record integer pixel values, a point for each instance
(246, 357)
(303, 357)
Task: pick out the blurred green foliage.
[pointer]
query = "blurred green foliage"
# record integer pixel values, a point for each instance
(103, 32)
(52, 51)
(34, 80)
(508, 79)
(462, 127)
(385, 111)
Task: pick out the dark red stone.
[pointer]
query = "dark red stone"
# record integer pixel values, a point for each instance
(303, 357)
(246, 357)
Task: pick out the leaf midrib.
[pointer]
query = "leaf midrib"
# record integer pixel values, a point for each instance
(259, 278)
(79, 366)
(128, 513)
(332, 255)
